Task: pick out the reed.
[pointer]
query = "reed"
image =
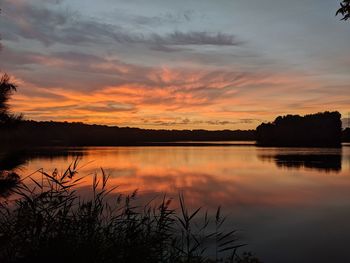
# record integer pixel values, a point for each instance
(50, 222)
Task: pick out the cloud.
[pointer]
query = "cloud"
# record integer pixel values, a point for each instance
(96, 88)
(101, 86)
(194, 122)
(117, 72)
(165, 18)
(51, 26)
(103, 106)
(111, 91)
(25, 20)
(108, 107)
(53, 2)
(196, 38)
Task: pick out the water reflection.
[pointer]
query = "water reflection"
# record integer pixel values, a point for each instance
(325, 162)
(232, 176)
(10, 160)
(276, 196)
(13, 162)
(8, 177)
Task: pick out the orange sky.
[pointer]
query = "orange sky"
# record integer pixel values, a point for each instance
(167, 67)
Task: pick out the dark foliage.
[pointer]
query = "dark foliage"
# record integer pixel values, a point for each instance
(6, 89)
(344, 10)
(12, 160)
(7, 119)
(8, 181)
(346, 135)
(50, 222)
(0, 36)
(319, 130)
(8, 177)
(79, 134)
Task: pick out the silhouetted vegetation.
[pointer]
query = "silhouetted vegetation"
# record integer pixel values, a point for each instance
(34, 133)
(12, 160)
(8, 181)
(319, 130)
(344, 10)
(7, 119)
(322, 130)
(346, 135)
(8, 177)
(50, 222)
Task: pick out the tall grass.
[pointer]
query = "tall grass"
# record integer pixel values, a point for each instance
(50, 222)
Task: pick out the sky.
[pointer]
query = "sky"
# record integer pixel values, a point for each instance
(185, 64)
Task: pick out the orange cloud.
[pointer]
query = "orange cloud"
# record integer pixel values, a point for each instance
(108, 91)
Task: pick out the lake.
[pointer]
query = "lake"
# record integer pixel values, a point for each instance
(290, 204)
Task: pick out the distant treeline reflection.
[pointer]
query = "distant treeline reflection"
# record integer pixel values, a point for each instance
(320, 162)
(12, 161)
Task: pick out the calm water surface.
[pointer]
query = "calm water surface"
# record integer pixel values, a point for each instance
(291, 205)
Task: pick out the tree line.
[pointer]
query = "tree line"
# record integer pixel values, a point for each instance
(320, 129)
(33, 133)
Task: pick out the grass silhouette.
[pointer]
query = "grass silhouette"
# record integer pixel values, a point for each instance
(49, 221)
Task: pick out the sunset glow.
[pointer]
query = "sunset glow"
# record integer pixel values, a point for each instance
(174, 65)
(231, 177)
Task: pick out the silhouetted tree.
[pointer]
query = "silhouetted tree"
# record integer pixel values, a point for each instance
(346, 135)
(344, 10)
(321, 129)
(6, 90)
(0, 36)
(50, 133)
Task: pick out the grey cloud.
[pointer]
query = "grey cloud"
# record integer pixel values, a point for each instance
(157, 20)
(171, 42)
(88, 72)
(51, 109)
(40, 93)
(82, 62)
(30, 22)
(186, 121)
(250, 120)
(50, 26)
(168, 49)
(240, 121)
(78, 56)
(108, 107)
(196, 38)
(76, 61)
(53, 2)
